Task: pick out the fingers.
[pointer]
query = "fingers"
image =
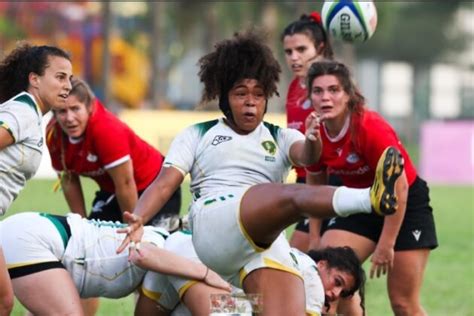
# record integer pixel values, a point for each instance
(379, 269)
(123, 245)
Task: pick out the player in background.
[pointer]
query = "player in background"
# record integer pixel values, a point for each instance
(238, 164)
(56, 260)
(85, 139)
(354, 138)
(304, 42)
(32, 80)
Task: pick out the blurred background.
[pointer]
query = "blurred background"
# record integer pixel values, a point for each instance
(141, 60)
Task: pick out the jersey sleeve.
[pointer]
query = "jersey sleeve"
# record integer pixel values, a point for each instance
(111, 143)
(17, 118)
(376, 135)
(288, 137)
(182, 152)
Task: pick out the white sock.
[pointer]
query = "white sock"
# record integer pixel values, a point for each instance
(347, 201)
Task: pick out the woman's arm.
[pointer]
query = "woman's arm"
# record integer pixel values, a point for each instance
(125, 186)
(6, 139)
(72, 189)
(307, 152)
(152, 200)
(150, 257)
(382, 258)
(315, 223)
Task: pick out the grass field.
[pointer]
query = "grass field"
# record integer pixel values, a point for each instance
(449, 280)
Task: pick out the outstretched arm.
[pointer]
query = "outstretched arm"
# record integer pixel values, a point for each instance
(307, 152)
(160, 260)
(152, 200)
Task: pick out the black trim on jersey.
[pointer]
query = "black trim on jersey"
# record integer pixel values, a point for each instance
(205, 126)
(33, 268)
(24, 98)
(274, 130)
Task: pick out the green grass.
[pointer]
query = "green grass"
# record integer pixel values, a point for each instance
(448, 288)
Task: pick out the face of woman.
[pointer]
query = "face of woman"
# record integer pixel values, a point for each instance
(300, 52)
(72, 116)
(328, 97)
(335, 282)
(247, 102)
(52, 88)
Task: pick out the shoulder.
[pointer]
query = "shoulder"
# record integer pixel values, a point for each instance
(22, 104)
(203, 127)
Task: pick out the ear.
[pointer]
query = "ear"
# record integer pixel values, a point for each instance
(33, 79)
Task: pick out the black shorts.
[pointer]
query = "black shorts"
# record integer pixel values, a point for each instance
(418, 228)
(105, 207)
(303, 225)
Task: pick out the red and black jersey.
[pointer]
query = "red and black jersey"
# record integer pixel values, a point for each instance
(298, 107)
(107, 142)
(356, 166)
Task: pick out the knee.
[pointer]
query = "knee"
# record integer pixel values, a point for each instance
(406, 308)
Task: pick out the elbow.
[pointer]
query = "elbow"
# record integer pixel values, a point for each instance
(6, 304)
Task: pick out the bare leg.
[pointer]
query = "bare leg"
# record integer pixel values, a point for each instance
(282, 292)
(48, 292)
(405, 281)
(146, 306)
(90, 305)
(6, 290)
(280, 205)
(197, 298)
(300, 240)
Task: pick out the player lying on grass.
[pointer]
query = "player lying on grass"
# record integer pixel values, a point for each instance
(328, 274)
(54, 261)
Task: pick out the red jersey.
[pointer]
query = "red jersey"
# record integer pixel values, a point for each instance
(107, 142)
(356, 167)
(298, 107)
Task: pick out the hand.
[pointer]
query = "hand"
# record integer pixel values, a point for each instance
(134, 232)
(215, 280)
(313, 123)
(382, 261)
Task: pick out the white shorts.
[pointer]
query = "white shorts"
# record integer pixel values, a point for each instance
(30, 238)
(222, 243)
(168, 290)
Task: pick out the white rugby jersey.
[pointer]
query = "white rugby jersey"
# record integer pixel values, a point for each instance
(21, 117)
(218, 158)
(91, 259)
(313, 285)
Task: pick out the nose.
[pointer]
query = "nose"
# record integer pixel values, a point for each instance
(68, 86)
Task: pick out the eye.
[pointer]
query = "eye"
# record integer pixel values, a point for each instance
(317, 91)
(288, 52)
(334, 89)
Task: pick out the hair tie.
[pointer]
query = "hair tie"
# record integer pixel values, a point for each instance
(316, 17)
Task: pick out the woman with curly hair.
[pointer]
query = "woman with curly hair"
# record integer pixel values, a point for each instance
(238, 164)
(32, 80)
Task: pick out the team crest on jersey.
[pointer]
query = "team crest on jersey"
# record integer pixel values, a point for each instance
(270, 147)
(306, 104)
(220, 139)
(91, 158)
(352, 158)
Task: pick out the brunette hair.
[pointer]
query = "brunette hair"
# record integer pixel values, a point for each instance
(23, 60)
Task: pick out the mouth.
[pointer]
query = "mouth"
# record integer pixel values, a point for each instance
(296, 67)
(326, 108)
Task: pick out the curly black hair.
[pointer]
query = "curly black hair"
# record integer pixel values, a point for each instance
(244, 56)
(23, 60)
(345, 260)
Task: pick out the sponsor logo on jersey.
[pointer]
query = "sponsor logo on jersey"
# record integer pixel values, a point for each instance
(270, 147)
(220, 139)
(332, 221)
(91, 157)
(352, 158)
(416, 233)
(358, 171)
(306, 104)
(339, 152)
